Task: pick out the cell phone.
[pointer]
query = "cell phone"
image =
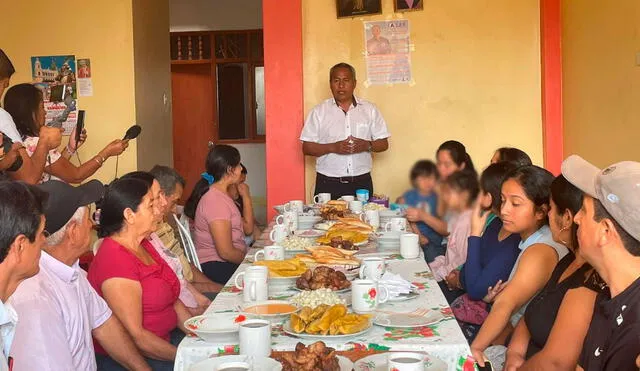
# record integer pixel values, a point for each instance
(487, 366)
(79, 125)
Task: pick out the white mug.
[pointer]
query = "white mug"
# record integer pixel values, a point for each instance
(403, 361)
(396, 225)
(278, 233)
(295, 205)
(322, 198)
(255, 338)
(288, 219)
(355, 206)
(273, 252)
(255, 285)
(348, 198)
(409, 245)
(372, 217)
(372, 268)
(227, 366)
(366, 295)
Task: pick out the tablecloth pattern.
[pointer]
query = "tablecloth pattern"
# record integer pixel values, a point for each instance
(443, 340)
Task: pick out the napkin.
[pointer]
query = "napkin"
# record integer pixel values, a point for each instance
(395, 284)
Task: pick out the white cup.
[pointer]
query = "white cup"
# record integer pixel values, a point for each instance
(288, 219)
(372, 217)
(403, 361)
(348, 198)
(272, 252)
(228, 366)
(366, 295)
(295, 205)
(278, 233)
(409, 245)
(355, 206)
(255, 338)
(255, 285)
(372, 268)
(322, 198)
(396, 225)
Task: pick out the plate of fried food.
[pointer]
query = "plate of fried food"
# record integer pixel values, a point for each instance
(344, 239)
(352, 224)
(326, 322)
(316, 356)
(327, 255)
(334, 209)
(323, 277)
(283, 273)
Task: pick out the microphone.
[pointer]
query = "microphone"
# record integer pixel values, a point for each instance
(132, 132)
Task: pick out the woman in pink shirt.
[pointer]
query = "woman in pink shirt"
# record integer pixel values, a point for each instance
(218, 225)
(139, 286)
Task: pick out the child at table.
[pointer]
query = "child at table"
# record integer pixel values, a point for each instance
(424, 176)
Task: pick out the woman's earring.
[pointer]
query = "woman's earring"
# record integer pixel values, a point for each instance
(561, 240)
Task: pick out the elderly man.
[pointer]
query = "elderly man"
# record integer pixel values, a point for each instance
(21, 237)
(172, 185)
(59, 308)
(609, 239)
(342, 132)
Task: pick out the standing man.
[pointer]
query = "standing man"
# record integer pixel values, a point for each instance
(609, 239)
(342, 132)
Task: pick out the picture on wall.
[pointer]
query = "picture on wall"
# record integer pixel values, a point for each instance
(407, 5)
(356, 8)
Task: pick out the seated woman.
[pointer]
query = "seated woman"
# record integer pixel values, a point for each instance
(26, 105)
(139, 287)
(515, 156)
(551, 333)
(525, 205)
(218, 225)
(250, 226)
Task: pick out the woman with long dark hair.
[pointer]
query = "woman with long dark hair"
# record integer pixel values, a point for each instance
(25, 103)
(218, 225)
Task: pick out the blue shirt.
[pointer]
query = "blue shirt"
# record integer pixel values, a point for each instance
(429, 204)
(488, 260)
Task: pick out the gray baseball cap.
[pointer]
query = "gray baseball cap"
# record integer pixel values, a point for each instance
(617, 187)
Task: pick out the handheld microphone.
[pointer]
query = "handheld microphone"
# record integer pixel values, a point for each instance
(132, 132)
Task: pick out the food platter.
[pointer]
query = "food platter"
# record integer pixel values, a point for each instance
(406, 320)
(289, 331)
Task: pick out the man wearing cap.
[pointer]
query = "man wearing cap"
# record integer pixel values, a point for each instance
(609, 239)
(60, 311)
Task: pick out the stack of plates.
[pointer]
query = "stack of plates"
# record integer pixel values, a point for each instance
(386, 215)
(215, 327)
(307, 221)
(388, 240)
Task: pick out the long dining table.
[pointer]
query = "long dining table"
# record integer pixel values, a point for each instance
(443, 340)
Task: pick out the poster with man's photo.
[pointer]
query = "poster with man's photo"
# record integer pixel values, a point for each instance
(388, 56)
(56, 77)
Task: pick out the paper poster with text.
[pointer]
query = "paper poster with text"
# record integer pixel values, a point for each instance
(388, 52)
(56, 77)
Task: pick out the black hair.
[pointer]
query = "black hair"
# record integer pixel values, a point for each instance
(514, 155)
(220, 160)
(21, 210)
(244, 169)
(22, 101)
(630, 244)
(491, 181)
(567, 197)
(6, 67)
(345, 66)
(464, 181)
(459, 155)
(145, 176)
(168, 178)
(536, 183)
(423, 168)
(122, 194)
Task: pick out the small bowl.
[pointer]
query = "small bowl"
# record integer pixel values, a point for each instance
(252, 310)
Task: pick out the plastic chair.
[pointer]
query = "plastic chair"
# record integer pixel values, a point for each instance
(187, 242)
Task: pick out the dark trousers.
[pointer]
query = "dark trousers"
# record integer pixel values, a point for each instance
(106, 363)
(219, 272)
(432, 251)
(345, 186)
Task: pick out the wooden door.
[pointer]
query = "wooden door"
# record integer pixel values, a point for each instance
(193, 120)
(231, 94)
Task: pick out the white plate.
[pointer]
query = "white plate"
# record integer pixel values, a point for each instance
(404, 320)
(259, 364)
(215, 327)
(288, 330)
(405, 297)
(309, 233)
(378, 362)
(345, 363)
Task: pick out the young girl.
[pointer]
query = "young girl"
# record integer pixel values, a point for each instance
(525, 204)
(424, 176)
(462, 189)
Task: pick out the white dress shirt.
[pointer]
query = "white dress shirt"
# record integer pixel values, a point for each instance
(328, 123)
(58, 310)
(8, 127)
(8, 320)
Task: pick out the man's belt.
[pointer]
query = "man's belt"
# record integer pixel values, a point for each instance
(346, 179)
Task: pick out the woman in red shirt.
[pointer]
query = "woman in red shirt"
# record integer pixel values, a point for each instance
(140, 288)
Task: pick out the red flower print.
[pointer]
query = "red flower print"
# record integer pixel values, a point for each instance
(394, 369)
(191, 326)
(240, 318)
(373, 293)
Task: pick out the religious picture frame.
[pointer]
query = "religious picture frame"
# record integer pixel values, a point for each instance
(358, 8)
(401, 6)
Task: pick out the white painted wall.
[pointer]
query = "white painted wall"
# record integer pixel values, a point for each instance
(199, 15)
(253, 158)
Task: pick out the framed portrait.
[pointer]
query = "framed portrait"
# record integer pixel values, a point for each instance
(401, 6)
(358, 8)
